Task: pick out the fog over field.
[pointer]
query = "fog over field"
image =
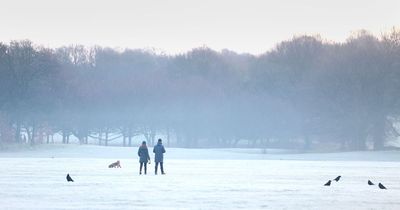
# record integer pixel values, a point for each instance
(187, 104)
(305, 94)
(305, 75)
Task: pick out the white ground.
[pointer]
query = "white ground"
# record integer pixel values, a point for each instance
(196, 179)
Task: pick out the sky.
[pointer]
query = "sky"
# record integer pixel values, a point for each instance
(176, 26)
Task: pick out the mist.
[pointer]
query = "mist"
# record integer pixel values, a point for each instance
(304, 94)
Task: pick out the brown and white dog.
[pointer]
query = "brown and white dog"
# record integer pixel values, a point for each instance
(115, 165)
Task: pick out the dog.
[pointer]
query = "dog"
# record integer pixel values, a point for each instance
(115, 165)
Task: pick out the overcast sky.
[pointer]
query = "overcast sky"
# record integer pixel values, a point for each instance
(174, 26)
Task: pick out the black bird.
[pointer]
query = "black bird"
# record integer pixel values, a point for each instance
(381, 186)
(69, 179)
(370, 183)
(337, 178)
(328, 183)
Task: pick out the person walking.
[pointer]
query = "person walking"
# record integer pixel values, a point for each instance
(143, 153)
(159, 151)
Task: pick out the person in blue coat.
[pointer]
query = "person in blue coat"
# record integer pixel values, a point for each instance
(159, 151)
(144, 157)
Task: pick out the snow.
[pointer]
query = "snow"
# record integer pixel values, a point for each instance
(196, 179)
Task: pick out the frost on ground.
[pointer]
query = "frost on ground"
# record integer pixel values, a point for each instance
(196, 179)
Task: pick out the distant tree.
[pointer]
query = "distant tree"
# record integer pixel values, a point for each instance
(304, 93)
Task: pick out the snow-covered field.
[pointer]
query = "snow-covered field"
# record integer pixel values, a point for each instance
(196, 179)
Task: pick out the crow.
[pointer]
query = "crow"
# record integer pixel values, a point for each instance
(381, 186)
(337, 178)
(370, 183)
(328, 183)
(69, 179)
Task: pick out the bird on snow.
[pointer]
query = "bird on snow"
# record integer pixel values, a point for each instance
(328, 183)
(69, 179)
(337, 178)
(370, 183)
(380, 185)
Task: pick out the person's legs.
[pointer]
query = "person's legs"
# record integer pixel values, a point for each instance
(156, 168)
(145, 168)
(141, 165)
(162, 167)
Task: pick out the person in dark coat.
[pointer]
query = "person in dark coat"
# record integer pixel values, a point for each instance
(159, 151)
(143, 153)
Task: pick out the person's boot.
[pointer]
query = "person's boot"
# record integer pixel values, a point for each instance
(162, 168)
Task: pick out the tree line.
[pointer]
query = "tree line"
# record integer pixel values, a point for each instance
(304, 93)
